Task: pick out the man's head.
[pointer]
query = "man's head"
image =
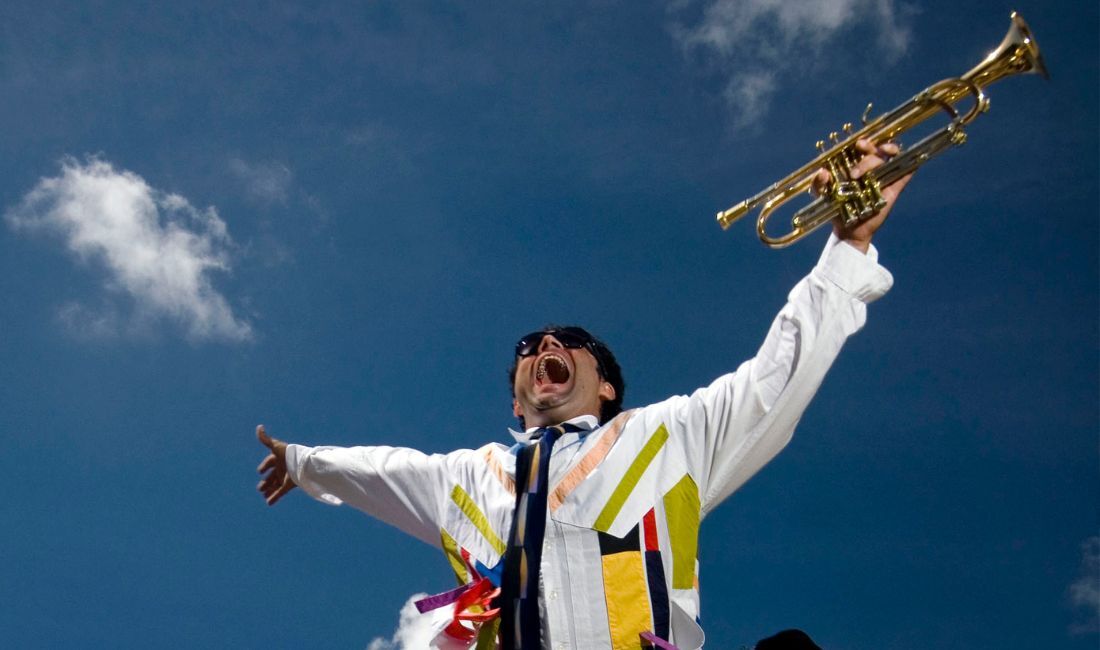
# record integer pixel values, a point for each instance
(561, 372)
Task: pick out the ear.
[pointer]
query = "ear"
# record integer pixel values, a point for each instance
(516, 410)
(607, 392)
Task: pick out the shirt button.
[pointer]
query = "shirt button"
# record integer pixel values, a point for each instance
(554, 596)
(562, 646)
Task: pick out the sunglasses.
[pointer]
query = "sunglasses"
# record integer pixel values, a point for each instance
(572, 338)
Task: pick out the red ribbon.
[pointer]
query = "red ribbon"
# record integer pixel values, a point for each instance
(479, 593)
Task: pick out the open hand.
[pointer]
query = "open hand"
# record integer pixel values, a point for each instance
(277, 481)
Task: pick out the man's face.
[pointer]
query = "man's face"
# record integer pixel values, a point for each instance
(557, 383)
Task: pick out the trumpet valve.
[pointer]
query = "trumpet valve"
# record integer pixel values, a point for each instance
(851, 215)
(875, 200)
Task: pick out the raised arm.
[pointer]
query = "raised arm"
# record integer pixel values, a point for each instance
(736, 425)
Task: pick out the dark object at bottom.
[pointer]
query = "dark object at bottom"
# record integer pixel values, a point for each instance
(788, 640)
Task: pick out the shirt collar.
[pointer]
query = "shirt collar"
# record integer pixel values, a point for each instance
(587, 422)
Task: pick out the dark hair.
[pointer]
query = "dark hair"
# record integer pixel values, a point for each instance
(611, 373)
(787, 640)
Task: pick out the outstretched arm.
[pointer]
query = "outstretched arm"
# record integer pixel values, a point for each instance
(399, 486)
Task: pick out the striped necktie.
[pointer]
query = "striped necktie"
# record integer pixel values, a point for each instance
(519, 598)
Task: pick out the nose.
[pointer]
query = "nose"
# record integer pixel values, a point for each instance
(550, 343)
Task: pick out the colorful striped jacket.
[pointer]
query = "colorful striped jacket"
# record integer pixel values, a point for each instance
(627, 497)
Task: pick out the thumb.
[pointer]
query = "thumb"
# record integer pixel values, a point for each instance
(265, 440)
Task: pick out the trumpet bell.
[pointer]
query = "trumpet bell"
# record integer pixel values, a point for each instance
(1018, 53)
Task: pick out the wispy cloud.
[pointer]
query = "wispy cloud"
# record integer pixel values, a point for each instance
(156, 247)
(755, 42)
(104, 322)
(264, 182)
(416, 631)
(1084, 593)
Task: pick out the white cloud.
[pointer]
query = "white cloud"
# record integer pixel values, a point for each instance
(754, 42)
(413, 630)
(416, 631)
(266, 183)
(750, 92)
(156, 247)
(1084, 593)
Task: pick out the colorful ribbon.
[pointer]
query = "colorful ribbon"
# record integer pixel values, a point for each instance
(471, 603)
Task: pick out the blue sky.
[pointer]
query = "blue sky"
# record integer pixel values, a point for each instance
(336, 218)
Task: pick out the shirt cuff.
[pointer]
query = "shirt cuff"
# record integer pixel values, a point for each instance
(857, 274)
(295, 455)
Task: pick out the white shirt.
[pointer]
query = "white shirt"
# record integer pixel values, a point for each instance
(626, 498)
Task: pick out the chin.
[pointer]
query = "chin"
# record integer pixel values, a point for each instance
(553, 397)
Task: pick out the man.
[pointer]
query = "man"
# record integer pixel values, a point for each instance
(589, 524)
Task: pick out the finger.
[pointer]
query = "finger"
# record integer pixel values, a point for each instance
(865, 146)
(867, 160)
(287, 486)
(866, 164)
(267, 463)
(882, 149)
(888, 149)
(820, 182)
(270, 489)
(270, 482)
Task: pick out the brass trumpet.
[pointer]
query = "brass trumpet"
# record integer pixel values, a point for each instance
(855, 200)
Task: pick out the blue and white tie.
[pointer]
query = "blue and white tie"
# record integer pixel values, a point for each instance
(519, 603)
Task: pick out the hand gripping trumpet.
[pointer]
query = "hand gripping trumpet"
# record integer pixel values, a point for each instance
(855, 200)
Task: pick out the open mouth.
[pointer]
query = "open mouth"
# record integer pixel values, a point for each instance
(552, 369)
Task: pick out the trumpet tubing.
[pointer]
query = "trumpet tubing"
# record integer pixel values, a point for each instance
(853, 200)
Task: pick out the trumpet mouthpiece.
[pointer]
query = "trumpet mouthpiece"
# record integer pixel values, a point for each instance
(727, 217)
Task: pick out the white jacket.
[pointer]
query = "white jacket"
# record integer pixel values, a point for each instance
(619, 555)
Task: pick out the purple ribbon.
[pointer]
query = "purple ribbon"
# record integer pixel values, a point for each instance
(429, 603)
(657, 641)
